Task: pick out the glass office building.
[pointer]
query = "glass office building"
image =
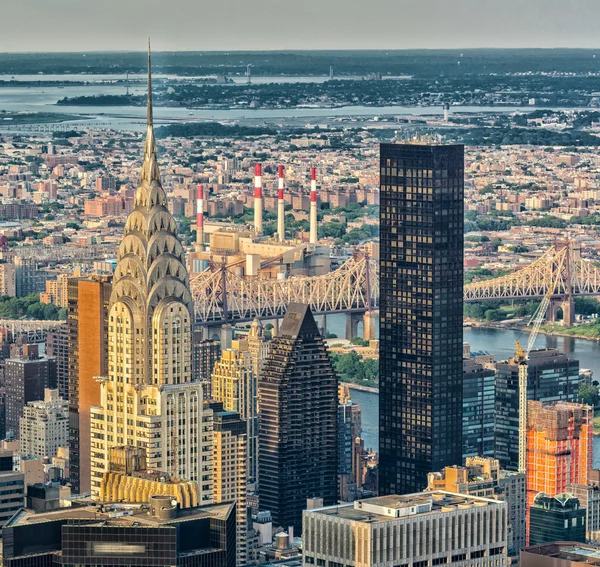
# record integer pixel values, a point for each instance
(421, 296)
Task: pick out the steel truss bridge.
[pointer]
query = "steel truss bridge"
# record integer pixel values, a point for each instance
(561, 268)
(221, 296)
(34, 330)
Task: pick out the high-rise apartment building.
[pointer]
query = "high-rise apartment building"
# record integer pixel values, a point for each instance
(57, 347)
(8, 279)
(297, 400)
(257, 345)
(44, 426)
(416, 530)
(148, 398)
(479, 400)
(57, 291)
(482, 476)
(230, 479)
(421, 295)
(87, 322)
(25, 380)
(205, 353)
(28, 278)
(559, 447)
(234, 385)
(349, 429)
(552, 377)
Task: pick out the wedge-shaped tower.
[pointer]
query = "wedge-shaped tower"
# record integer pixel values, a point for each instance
(149, 398)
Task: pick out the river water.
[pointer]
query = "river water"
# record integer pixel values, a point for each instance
(44, 99)
(501, 343)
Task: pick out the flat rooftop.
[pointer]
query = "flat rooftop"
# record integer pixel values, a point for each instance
(568, 551)
(392, 507)
(123, 515)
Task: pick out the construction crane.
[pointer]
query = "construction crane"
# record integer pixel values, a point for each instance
(522, 357)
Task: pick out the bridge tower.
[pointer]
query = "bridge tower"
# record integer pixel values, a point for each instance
(562, 273)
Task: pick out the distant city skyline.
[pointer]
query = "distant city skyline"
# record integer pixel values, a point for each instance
(76, 25)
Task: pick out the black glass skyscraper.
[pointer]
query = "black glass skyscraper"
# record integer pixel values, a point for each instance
(421, 297)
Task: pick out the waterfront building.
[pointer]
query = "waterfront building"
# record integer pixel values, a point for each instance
(421, 529)
(421, 313)
(556, 518)
(297, 398)
(87, 322)
(156, 534)
(44, 427)
(148, 398)
(559, 447)
(552, 377)
(349, 430)
(234, 385)
(482, 476)
(25, 380)
(479, 400)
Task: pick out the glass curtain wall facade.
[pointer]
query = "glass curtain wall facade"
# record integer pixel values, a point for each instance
(421, 296)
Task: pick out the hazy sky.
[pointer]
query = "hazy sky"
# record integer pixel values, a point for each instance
(101, 25)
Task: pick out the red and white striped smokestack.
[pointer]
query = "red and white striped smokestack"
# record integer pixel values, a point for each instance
(313, 205)
(200, 217)
(258, 199)
(280, 207)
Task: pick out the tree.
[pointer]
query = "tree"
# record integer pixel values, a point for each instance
(357, 341)
(588, 394)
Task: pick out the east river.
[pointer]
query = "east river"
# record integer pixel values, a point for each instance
(500, 343)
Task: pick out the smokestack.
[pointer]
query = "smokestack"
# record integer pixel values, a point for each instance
(200, 218)
(313, 205)
(280, 208)
(258, 200)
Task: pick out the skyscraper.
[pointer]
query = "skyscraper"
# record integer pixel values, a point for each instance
(148, 398)
(421, 294)
(551, 377)
(234, 385)
(87, 321)
(559, 448)
(297, 400)
(230, 480)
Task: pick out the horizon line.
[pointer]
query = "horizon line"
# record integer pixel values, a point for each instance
(304, 50)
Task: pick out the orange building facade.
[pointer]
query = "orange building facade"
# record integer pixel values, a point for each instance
(559, 447)
(87, 322)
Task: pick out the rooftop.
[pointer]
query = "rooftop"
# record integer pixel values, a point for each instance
(568, 551)
(123, 515)
(394, 507)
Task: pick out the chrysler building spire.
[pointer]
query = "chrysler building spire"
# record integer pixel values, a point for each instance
(150, 170)
(150, 324)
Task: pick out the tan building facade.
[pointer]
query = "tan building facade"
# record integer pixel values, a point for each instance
(147, 398)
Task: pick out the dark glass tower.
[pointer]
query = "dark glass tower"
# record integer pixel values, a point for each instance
(298, 404)
(421, 309)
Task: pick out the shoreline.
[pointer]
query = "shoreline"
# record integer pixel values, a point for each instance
(353, 386)
(528, 330)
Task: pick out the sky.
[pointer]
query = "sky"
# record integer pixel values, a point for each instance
(105, 25)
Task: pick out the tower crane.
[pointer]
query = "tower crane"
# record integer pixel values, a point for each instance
(522, 357)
